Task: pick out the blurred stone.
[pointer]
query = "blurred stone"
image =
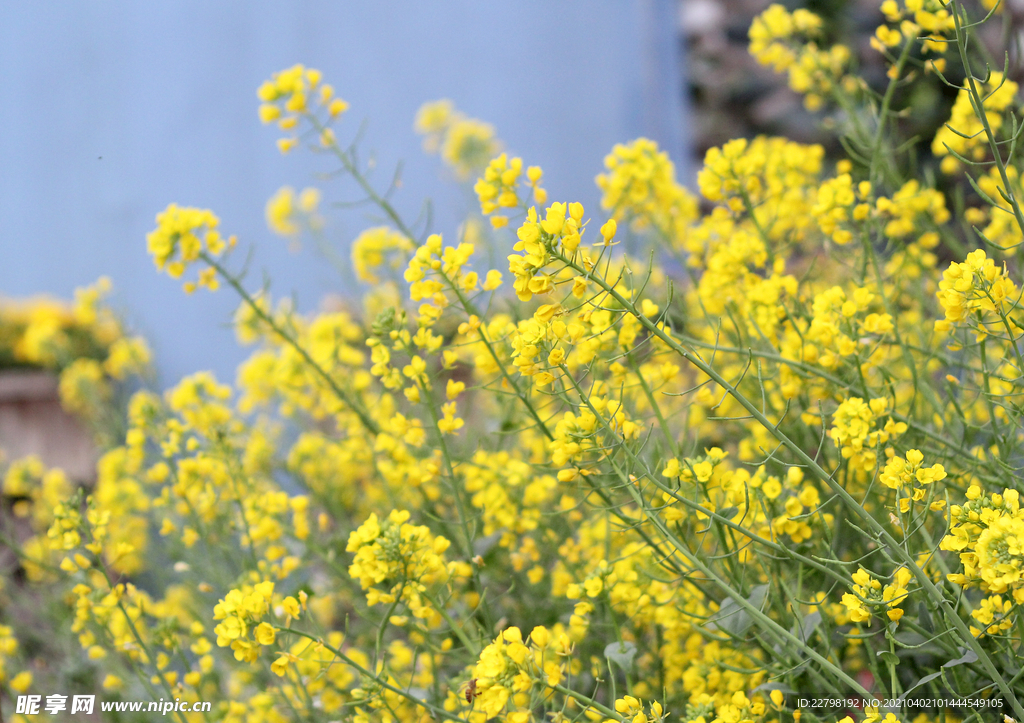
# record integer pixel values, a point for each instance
(701, 17)
(732, 96)
(775, 106)
(33, 422)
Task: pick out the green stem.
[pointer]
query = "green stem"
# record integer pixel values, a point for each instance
(471, 646)
(883, 535)
(766, 623)
(876, 145)
(471, 309)
(364, 184)
(589, 702)
(436, 710)
(979, 109)
(344, 396)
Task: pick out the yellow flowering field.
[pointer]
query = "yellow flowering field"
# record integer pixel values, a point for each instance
(752, 455)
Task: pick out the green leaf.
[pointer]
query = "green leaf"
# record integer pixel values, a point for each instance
(924, 617)
(733, 619)
(967, 656)
(888, 657)
(621, 654)
(805, 628)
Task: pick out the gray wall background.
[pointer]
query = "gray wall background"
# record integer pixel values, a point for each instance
(110, 111)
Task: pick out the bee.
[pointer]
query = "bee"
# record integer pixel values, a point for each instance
(471, 691)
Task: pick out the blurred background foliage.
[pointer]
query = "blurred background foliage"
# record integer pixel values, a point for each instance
(731, 96)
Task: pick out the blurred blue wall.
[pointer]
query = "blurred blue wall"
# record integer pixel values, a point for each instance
(109, 111)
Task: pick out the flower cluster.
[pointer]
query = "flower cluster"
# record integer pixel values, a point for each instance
(240, 612)
(977, 293)
(466, 144)
(559, 232)
(994, 613)
(772, 28)
(857, 431)
(910, 476)
(964, 135)
(297, 93)
(181, 237)
(501, 673)
(777, 39)
(839, 202)
(640, 186)
(396, 561)
(916, 18)
(994, 220)
(633, 709)
(988, 532)
(498, 188)
(868, 593)
(376, 247)
(907, 208)
(287, 212)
